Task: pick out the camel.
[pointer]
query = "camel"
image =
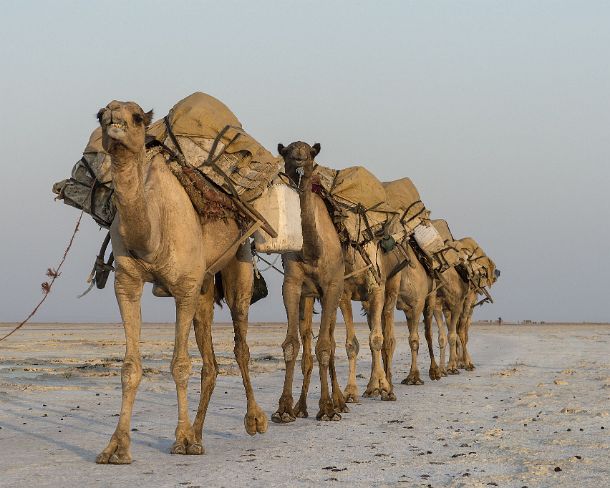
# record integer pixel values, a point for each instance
(464, 358)
(358, 285)
(316, 271)
(158, 237)
(460, 325)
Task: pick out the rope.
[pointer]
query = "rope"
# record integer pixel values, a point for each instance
(47, 285)
(270, 265)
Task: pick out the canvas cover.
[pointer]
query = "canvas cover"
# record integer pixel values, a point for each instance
(359, 199)
(90, 185)
(245, 167)
(480, 268)
(443, 251)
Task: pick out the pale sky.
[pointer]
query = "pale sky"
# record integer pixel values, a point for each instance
(499, 111)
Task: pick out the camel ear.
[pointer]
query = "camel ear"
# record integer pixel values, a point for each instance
(100, 112)
(148, 116)
(280, 149)
(315, 149)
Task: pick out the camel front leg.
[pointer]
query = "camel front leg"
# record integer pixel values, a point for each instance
(202, 323)
(305, 330)
(128, 292)
(465, 359)
(378, 383)
(352, 347)
(238, 281)
(330, 301)
(181, 368)
(291, 291)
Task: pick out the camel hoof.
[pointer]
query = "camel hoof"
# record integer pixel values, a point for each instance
(178, 448)
(453, 371)
(324, 417)
(256, 422)
(114, 454)
(443, 372)
(282, 418)
(470, 367)
(388, 396)
(113, 458)
(195, 449)
(371, 393)
(350, 394)
(302, 413)
(413, 379)
(435, 374)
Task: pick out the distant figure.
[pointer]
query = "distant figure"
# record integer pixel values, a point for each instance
(499, 320)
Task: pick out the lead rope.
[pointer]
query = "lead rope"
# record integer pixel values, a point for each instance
(47, 285)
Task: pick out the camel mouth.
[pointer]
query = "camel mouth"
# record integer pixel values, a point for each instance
(117, 130)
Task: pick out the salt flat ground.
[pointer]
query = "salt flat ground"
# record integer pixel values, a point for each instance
(533, 413)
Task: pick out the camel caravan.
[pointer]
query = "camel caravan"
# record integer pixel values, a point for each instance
(190, 199)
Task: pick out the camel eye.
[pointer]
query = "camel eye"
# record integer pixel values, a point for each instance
(138, 119)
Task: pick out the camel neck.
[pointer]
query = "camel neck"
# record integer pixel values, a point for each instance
(312, 247)
(128, 176)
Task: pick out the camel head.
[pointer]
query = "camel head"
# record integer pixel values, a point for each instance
(123, 126)
(298, 158)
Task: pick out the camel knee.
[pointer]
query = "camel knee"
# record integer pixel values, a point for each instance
(131, 372)
(442, 341)
(291, 349)
(181, 370)
(376, 341)
(414, 344)
(352, 347)
(323, 352)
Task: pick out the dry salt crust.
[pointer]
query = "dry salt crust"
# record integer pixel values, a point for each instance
(533, 413)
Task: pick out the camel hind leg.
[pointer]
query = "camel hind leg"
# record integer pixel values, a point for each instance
(435, 371)
(352, 347)
(378, 383)
(442, 336)
(202, 323)
(413, 316)
(389, 339)
(238, 282)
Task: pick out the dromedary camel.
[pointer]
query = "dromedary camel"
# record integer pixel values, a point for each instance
(158, 237)
(464, 358)
(316, 271)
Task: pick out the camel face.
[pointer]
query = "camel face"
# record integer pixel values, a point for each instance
(123, 125)
(297, 156)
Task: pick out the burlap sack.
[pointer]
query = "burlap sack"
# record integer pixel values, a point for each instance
(90, 186)
(362, 211)
(480, 267)
(245, 167)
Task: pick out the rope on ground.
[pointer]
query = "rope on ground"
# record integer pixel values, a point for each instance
(47, 285)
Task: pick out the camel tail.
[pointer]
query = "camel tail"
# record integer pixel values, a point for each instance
(219, 289)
